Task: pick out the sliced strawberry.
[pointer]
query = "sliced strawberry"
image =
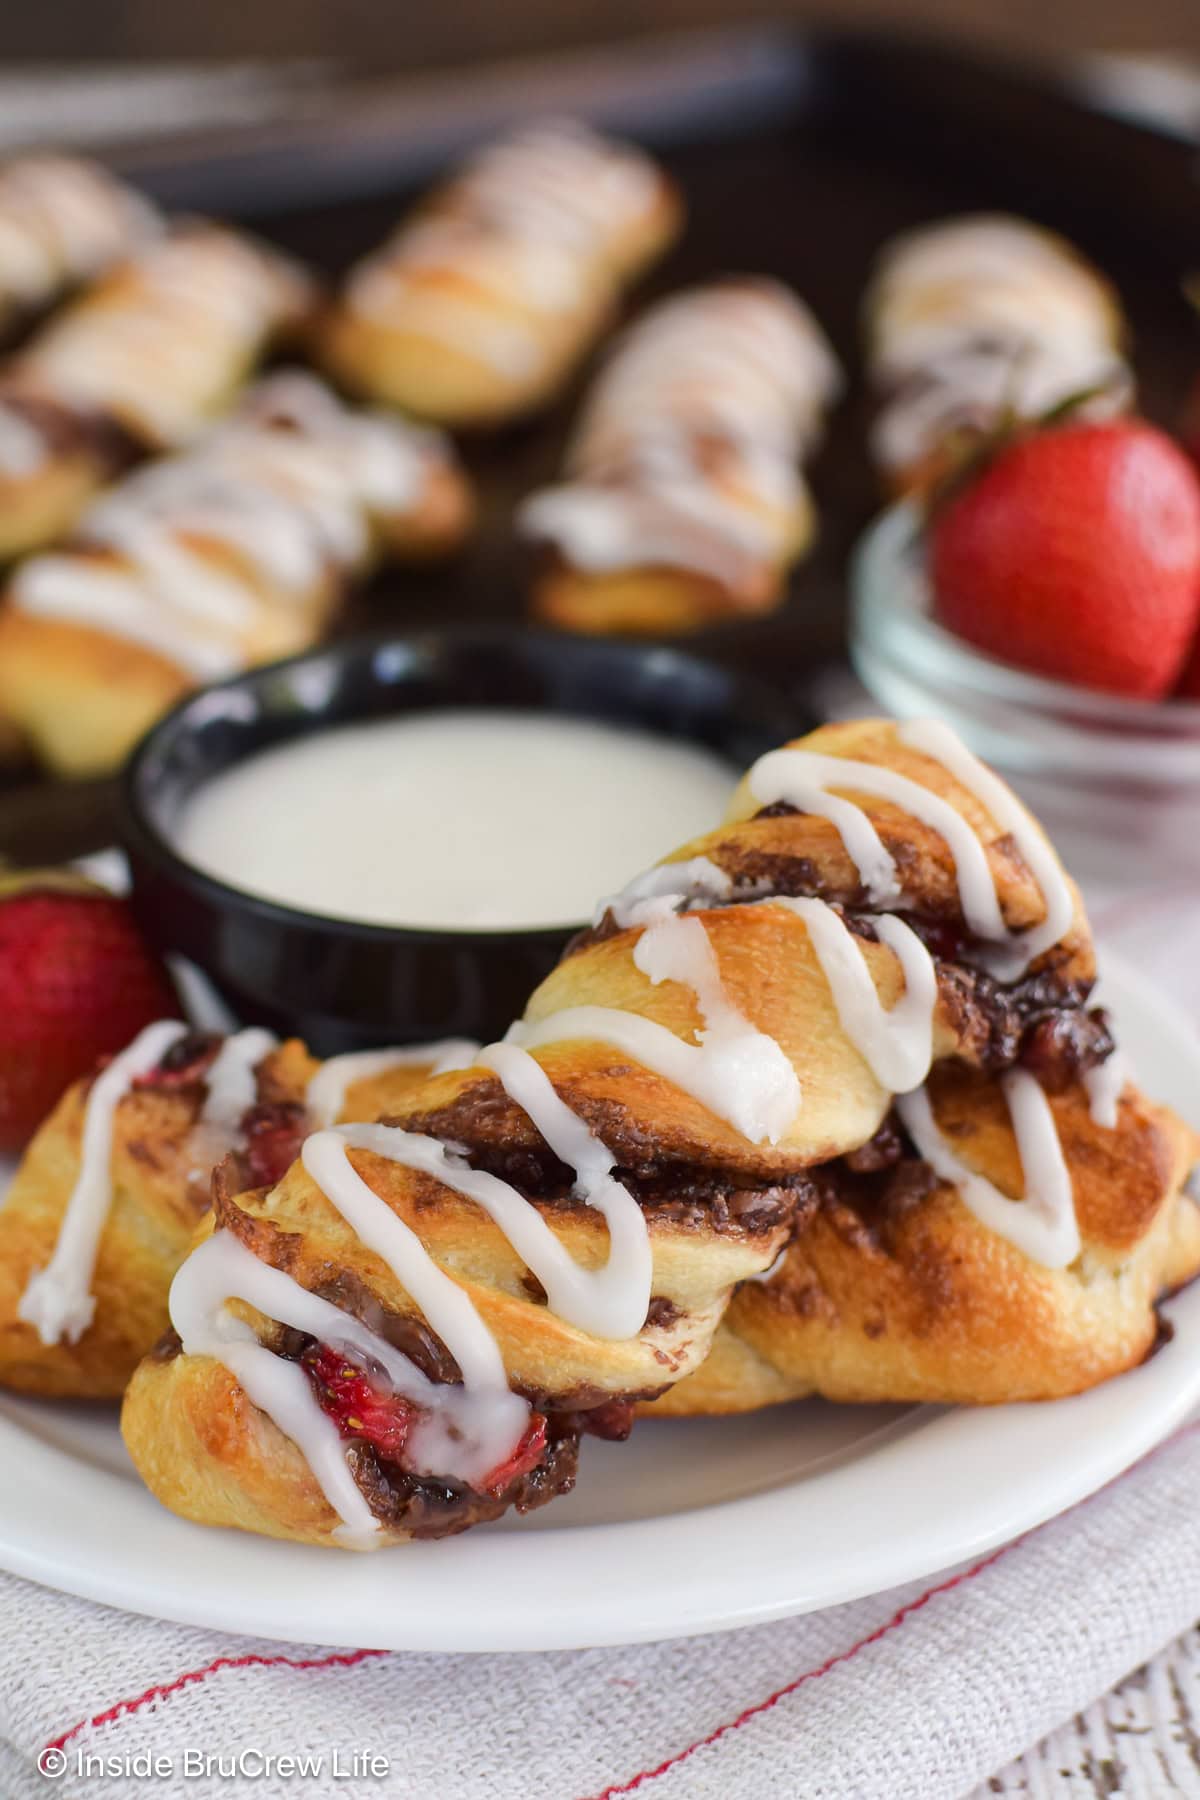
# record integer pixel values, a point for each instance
(356, 1407)
(524, 1459)
(272, 1133)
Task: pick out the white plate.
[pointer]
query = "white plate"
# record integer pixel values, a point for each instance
(692, 1526)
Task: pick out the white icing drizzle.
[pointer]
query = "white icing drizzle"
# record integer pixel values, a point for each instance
(533, 230)
(58, 1302)
(686, 455)
(326, 1095)
(230, 1080)
(934, 738)
(609, 1302)
(897, 1045)
(231, 1090)
(1105, 1083)
(739, 1073)
(261, 513)
(61, 219)
(980, 316)
(104, 597)
(804, 779)
(464, 1430)
(663, 889)
(158, 351)
(1043, 1224)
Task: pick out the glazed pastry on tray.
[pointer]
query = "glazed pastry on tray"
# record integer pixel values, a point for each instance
(976, 319)
(108, 1195)
(683, 501)
(62, 220)
(233, 552)
(144, 360)
(408, 1333)
(482, 301)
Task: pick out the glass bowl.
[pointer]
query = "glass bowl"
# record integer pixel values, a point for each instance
(1116, 782)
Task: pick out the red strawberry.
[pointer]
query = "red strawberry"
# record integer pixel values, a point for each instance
(77, 983)
(1189, 681)
(356, 1408)
(1075, 551)
(383, 1420)
(524, 1459)
(1189, 430)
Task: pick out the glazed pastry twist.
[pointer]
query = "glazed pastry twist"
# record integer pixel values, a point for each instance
(62, 220)
(957, 1258)
(108, 1195)
(477, 307)
(234, 552)
(407, 1333)
(977, 319)
(684, 502)
(142, 361)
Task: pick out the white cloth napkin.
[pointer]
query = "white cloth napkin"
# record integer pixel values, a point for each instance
(918, 1694)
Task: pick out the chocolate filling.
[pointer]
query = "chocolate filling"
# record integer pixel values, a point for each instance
(430, 1508)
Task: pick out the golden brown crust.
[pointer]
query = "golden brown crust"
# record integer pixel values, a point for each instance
(918, 1301)
(650, 601)
(380, 353)
(159, 1196)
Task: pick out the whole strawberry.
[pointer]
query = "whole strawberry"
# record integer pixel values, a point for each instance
(76, 982)
(1075, 552)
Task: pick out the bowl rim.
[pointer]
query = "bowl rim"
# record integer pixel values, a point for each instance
(142, 838)
(892, 540)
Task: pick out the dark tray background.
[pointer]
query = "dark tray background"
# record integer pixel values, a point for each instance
(797, 157)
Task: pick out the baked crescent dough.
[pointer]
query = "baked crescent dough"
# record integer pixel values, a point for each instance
(143, 360)
(164, 1144)
(683, 501)
(407, 1334)
(978, 319)
(477, 308)
(234, 552)
(896, 1291)
(62, 220)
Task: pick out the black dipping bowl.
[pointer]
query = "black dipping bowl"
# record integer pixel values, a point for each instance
(344, 986)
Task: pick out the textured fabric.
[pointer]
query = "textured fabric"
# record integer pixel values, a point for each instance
(921, 1694)
(913, 1695)
(1141, 1741)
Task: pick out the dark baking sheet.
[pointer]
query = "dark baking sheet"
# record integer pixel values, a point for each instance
(797, 157)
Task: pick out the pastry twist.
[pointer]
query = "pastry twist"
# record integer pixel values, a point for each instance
(234, 552)
(408, 1332)
(63, 219)
(475, 310)
(142, 361)
(978, 319)
(109, 1193)
(684, 502)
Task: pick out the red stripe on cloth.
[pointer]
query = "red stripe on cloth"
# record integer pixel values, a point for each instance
(348, 1659)
(343, 1659)
(834, 1662)
(881, 1631)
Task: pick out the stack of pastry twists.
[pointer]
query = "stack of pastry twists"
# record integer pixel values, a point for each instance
(407, 1333)
(684, 502)
(482, 301)
(62, 220)
(107, 1197)
(233, 552)
(142, 361)
(977, 319)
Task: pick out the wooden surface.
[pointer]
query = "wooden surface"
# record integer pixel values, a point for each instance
(1140, 1742)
